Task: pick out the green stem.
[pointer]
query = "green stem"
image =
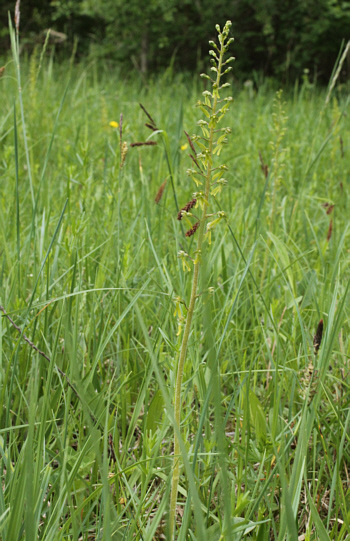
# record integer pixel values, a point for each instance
(187, 330)
(15, 52)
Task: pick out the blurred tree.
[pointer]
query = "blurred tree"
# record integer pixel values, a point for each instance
(274, 37)
(134, 30)
(35, 17)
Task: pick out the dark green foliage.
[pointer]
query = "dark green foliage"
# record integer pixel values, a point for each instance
(279, 39)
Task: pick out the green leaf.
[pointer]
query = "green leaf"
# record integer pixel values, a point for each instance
(217, 150)
(257, 417)
(321, 530)
(155, 412)
(238, 525)
(284, 257)
(203, 109)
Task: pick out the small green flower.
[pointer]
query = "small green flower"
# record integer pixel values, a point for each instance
(177, 312)
(201, 200)
(211, 225)
(220, 183)
(198, 254)
(182, 255)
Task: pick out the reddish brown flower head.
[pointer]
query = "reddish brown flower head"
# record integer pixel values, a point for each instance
(193, 229)
(318, 336)
(111, 453)
(195, 161)
(190, 143)
(144, 143)
(328, 207)
(153, 124)
(151, 127)
(264, 166)
(186, 208)
(17, 14)
(121, 128)
(160, 193)
(330, 229)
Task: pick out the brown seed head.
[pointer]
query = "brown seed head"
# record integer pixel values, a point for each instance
(149, 116)
(144, 143)
(193, 229)
(329, 207)
(160, 193)
(330, 229)
(151, 127)
(264, 166)
(17, 14)
(318, 336)
(186, 208)
(195, 161)
(111, 453)
(190, 143)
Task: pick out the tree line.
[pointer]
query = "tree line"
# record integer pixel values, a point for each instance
(278, 38)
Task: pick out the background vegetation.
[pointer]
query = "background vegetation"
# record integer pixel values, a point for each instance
(273, 38)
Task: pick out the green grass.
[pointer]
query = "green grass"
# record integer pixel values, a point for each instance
(89, 272)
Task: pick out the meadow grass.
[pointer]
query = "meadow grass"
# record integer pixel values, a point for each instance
(89, 273)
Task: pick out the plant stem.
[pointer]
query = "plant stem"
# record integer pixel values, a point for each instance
(15, 51)
(187, 330)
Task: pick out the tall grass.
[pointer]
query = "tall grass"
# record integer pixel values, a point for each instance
(89, 274)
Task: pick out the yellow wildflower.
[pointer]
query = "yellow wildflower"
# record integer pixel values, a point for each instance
(183, 147)
(114, 124)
